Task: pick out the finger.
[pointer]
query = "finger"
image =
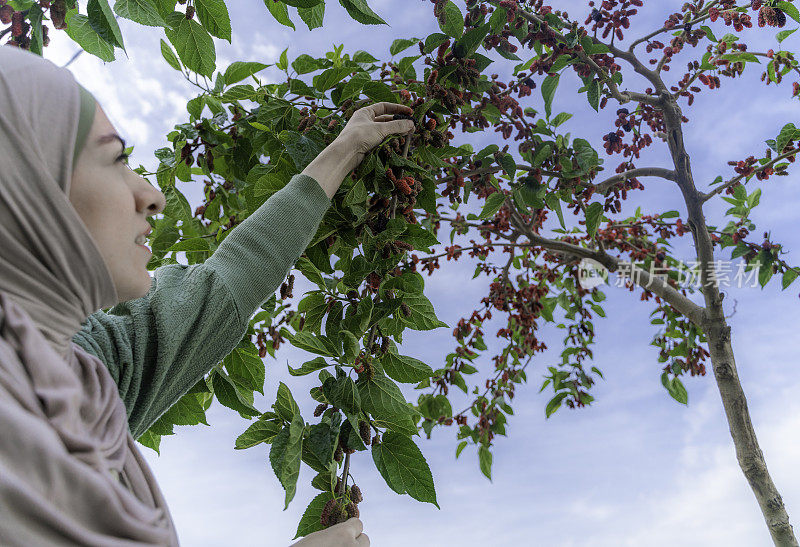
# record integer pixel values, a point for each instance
(391, 108)
(398, 127)
(385, 118)
(355, 525)
(362, 540)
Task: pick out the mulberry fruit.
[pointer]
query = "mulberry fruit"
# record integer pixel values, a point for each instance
(5, 14)
(355, 494)
(320, 409)
(339, 454)
(402, 117)
(384, 344)
(189, 11)
(363, 430)
(17, 19)
(405, 309)
(58, 12)
(324, 518)
(352, 510)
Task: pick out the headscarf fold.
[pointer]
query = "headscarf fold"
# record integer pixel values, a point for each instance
(70, 471)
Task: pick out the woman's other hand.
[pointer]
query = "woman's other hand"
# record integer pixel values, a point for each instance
(368, 126)
(344, 534)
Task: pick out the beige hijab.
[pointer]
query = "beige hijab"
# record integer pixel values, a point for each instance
(70, 471)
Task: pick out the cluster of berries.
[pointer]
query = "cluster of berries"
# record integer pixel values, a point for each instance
(21, 29)
(774, 17)
(364, 366)
(286, 288)
(730, 17)
(612, 17)
(337, 510)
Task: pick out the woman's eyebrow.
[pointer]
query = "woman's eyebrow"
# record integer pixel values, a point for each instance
(109, 138)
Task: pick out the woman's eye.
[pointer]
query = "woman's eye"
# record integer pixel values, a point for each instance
(123, 158)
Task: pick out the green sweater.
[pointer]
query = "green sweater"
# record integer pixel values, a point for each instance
(157, 347)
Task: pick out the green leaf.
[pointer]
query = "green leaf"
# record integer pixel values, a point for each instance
(140, 11)
(678, 392)
(554, 203)
(383, 400)
(213, 15)
(318, 344)
(593, 94)
(419, 237)
(554, 403)
(303, 3)
(593, 215)
(561, 118)
(782, 35)
(509, 165)
(379, 92)
(468, 44)
(423, 316)
(709, 33)
(405, 369)
(401, 44)
(228, 394)
(150, 440)
(408, 282)
(788, 133)
(309, 366)
(788, 277)
(101, 19)
(403, 467)
(37, 38)
(342, 392)
(434, 40)
(361, 12)
(169, 56)
(246, 368)
(789, 9)
(549, 86)
(194, 45)
(460, 448)
(239, 70)
(313, 17)
(492, 205)
(306, 63)
(260, 431)
(285, 456)
(311, 520)
(284, 404)
(79, 29)
(280, 12)
(322, 437)
(453, 21)
(485, 461)
(765, 272)
(188, 410)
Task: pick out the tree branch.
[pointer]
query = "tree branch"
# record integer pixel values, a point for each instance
(639, 276)
(660, 172)
(665, 29)
(721, 188)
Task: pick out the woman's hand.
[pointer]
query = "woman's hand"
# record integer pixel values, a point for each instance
(368, 126)
(344, 534)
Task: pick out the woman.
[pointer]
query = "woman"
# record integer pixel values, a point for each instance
(78, 385)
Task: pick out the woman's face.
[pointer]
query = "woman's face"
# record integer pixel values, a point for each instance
(114, 202)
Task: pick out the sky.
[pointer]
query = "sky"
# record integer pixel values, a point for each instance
(635, 467)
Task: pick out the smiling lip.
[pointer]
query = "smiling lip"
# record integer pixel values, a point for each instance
(145, 248)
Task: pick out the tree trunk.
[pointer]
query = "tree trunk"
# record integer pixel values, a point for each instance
(749, 455)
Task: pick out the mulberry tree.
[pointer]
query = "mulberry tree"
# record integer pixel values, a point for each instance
(378, 241)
